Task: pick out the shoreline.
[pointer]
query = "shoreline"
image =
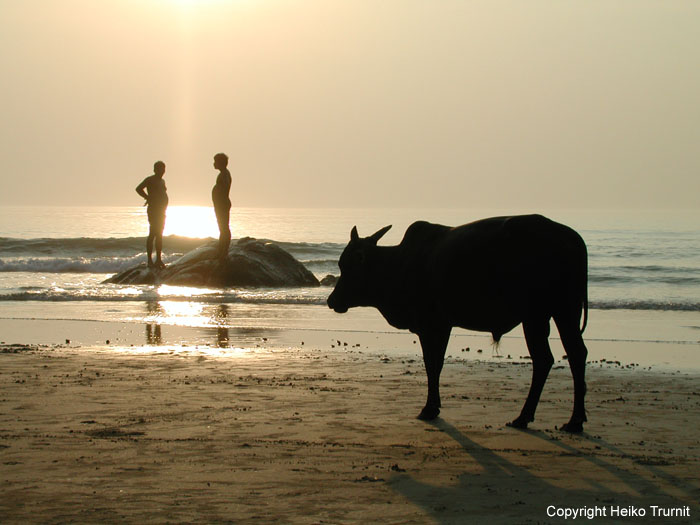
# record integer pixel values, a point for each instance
(308, 435)
(650, 347)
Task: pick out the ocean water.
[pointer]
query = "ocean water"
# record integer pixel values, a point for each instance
(53, 262)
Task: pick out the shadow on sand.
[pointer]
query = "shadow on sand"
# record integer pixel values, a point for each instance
(502, 491)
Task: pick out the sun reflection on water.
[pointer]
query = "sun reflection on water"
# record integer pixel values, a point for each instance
(213, 319)
(181, 313)
(191, 221)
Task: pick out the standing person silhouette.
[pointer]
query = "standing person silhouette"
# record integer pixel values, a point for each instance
(157, 200)
(222, 203)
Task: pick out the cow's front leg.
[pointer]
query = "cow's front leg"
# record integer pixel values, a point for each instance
(434, 343)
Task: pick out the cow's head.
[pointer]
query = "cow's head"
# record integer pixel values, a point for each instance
(352, 288)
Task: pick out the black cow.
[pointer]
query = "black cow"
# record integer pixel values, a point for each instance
(490, 276)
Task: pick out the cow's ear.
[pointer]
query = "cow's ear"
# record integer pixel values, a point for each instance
(375, 238)
(353, 234)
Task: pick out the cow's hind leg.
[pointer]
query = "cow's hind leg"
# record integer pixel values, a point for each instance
(577, 353)
(434, 343)
(536, 334)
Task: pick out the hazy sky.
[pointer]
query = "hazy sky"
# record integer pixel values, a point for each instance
(455, 103)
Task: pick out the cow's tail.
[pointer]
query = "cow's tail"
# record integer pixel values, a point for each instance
(585, 312)
(585, 290)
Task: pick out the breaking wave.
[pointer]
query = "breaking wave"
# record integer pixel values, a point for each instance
(100, 265)
(91, 247)
(148, 296)
(112, 255)
(668, 306)
(315, 296)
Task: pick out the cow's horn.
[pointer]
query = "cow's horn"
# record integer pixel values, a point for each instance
(380, 234)
(353, 234)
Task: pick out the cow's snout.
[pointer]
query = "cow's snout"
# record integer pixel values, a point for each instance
(339, 309)
(334, 304)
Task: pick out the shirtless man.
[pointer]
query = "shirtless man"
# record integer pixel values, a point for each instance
(222, 203)
(154, 191)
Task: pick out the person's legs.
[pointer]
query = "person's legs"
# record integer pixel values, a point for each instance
(159, 248)
(155, 236)
(159, 239)
(222, 218)
(149, 245)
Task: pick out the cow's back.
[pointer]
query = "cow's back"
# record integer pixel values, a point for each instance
(489, 274)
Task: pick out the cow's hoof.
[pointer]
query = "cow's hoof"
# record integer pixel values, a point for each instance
(429, 413)
(520, 422)
(573, 427)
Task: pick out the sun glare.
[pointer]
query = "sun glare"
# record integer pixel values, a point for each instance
(191, 221)
(182, 313)
(189, 4)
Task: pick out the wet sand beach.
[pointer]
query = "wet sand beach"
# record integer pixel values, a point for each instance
(304, 434)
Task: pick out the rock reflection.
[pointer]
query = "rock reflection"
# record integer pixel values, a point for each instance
(191, 323)
(220, 318)
(153, 333)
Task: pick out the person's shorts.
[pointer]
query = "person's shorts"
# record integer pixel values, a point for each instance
(222, 211)
(156, 217)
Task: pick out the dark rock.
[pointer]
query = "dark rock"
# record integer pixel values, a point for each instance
(329, 280)
(250, 263)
